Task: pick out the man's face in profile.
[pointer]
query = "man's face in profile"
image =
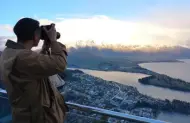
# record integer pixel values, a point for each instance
(37, 36)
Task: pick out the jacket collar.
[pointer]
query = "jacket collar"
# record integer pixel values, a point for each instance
(14, 45)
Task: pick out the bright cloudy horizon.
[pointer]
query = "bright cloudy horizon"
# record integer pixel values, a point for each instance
(125, 22)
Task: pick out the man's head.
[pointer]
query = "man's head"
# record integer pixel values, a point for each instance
(27, 29)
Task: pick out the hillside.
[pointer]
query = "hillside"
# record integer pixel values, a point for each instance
(87, 59)
(92, 56)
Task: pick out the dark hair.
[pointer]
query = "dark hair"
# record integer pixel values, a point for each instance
(25, 28)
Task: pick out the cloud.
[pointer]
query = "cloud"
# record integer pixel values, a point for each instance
(3, 40)
(6, 27)
(107, 30)
(6, 30)
(162, 25)
(171, 17)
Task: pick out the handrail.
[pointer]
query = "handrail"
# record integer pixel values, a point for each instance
(105, 112)
(113, 113)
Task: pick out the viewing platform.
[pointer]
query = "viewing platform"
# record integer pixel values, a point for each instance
(95, 110)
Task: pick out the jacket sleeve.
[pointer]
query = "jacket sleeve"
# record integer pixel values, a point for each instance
(36, 65)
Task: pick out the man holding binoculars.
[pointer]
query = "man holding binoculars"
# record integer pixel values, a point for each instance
(25, 73)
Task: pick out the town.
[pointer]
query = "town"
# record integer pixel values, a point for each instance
(88, 90)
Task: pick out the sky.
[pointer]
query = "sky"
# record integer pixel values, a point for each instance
(126, 22)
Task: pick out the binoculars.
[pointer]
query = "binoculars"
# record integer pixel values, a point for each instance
(43, 33)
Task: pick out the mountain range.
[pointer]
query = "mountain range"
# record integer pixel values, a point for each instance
(91, 54)
(132, 53)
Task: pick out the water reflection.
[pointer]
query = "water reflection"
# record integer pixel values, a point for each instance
(132, 79)
(157, 92)
(179, 70)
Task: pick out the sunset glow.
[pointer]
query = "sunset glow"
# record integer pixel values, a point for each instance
(155, 23)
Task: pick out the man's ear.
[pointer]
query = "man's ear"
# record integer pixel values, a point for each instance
(35, 37)
(36, 40)
(37, 34)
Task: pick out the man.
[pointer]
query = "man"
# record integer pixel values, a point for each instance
(25, 75)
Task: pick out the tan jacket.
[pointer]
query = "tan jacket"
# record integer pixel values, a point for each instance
(25, 75)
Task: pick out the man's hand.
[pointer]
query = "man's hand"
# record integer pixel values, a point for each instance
(45, 48)
(51, 33)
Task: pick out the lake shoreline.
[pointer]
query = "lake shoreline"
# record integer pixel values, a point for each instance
(142, 70)
(139, 100)
(132, 69)
(77, 90)
(165, 81)
(160, 61)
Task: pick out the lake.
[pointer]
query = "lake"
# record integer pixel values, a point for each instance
(157, 92)
(132, 79)
(179, 70)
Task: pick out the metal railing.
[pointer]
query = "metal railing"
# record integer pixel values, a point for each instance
(113, 114)
(105, 112)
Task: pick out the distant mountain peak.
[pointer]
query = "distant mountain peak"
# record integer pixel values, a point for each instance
(129, 48)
